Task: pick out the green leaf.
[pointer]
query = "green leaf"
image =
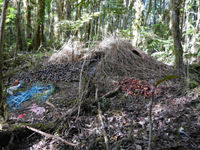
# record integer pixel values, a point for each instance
(169, 77)
(48, 4)
(198, 53)
(80, 4)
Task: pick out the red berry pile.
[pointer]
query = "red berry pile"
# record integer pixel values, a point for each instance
(137, 88)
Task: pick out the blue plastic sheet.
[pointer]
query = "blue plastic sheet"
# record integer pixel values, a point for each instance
(15, 100)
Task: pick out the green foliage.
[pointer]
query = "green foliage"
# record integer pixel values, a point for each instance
(198, 53)
(82, 3)
(192, 47)
(126, 33)
(161, 30)
(164, 49)
(158, 42)
(76, 25)
(11, 14)
(116, 7)
(191, 34)
(28, 42)
(109, 16)
(170, 77)
(48, 4)
(105, 104)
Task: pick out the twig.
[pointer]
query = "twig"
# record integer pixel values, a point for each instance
(101, 121)
(80, 87)
(50, 104)
(51, 136)
(150, 119)
(80, 79)
(67, 113)
(112, 93)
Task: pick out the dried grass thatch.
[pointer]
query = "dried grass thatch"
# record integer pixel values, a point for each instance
(69, 52)
(117, 58)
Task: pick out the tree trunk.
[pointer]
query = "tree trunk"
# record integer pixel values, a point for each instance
(77, 17)
(68, 11)
(125, 16)
(18, 27)
(90, 35)
(148, 11)
(39, 25)
(60, 10)
(138, 22)
(160, 7)
(99, 30)
(163, 5)
(2, 26)
(52, 22)
(195, 38)
(176, 32)
(27, 9)
(154, 16)
(60, 13)
(10, 33)
(198, 16)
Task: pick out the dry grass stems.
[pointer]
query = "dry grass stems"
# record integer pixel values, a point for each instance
(117, 59)
(120, 58)
(69, 52)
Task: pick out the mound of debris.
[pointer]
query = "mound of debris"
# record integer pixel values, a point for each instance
(115, 59)
(111, 61)
(120, 58)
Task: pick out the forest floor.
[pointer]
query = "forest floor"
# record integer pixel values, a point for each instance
(75, 113)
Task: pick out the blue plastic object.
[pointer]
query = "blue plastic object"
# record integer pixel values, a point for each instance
(92, 71)
(15, 100)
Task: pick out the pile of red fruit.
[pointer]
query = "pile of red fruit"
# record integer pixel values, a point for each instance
(137, 88)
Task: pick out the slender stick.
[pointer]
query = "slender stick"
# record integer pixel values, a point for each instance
(101, 121)
(51, 136)
(80, 92)
(150, 119)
